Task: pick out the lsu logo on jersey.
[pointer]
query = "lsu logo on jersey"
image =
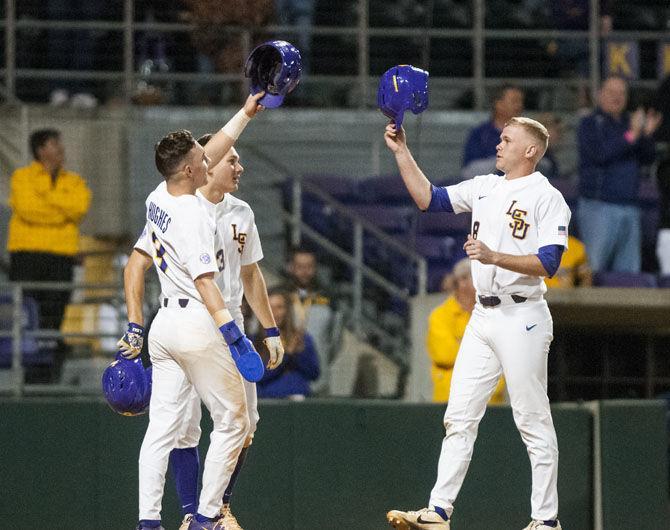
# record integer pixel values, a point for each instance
(518, 225)
(241, 238)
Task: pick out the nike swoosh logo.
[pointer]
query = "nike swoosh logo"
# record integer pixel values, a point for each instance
(528, 328)
(423, 521)
(482, 197)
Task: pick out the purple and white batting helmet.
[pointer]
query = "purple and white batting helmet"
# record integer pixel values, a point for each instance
(274, 66)
(402, 88)
(126, 385)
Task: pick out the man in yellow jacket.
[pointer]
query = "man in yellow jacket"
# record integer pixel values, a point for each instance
(48, 204)
(446, 326)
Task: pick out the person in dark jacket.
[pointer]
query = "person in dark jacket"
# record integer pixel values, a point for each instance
(613, 147)
(300, 365)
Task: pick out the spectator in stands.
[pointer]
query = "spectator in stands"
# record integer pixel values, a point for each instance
(312, 307)
(291, 379)
(219, 51)
(572, 55)
(48, 203)
(548, 166)
(613, 146)
(479, 157)
(574, 270)
(663, 241)
(74, 49)
(298, 13)
(446, 326)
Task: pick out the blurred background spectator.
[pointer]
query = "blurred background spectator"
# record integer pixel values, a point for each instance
(663, 242)
(48, 203)
(298, 13)
(446, 326)
(548, 165)
(221, 51)
(613, 147)
(479, 156)
(300, 366)
(574, 270)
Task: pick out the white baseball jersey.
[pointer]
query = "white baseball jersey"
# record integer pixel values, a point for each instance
(180, 238)
(516, 217)
(237, 234)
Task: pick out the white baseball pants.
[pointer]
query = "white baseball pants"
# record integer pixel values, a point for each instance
(187, 351)
(512, 339)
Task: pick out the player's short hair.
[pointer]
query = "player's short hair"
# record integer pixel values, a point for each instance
(205, 138)
(171, 151)
(40, 137)
(534, 128)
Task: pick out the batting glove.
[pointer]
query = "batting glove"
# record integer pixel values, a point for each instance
(130, 345)
(248, 362)
(275, 347)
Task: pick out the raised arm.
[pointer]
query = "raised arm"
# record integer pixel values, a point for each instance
(224, 139)
(417, 184)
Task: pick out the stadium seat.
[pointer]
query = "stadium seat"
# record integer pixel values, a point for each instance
(443, 224)
(30, 349)
(624, 279)
(388, 190)
(342, 188)
(390, 219)
(664, 281)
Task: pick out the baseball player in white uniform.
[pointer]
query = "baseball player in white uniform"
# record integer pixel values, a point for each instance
(240, 276)
(194, 341)
(519, 232)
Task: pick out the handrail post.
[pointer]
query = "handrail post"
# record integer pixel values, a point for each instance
(128, 49)
(594, 48)
(363, 53)
(17, 322)
(357, 310)
(296, 211)
(478, 54)
(422, 278)
(10, 49)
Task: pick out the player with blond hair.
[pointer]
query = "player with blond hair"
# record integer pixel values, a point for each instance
(518, 234)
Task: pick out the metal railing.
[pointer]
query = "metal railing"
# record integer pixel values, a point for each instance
(361, 33)
(110, 293)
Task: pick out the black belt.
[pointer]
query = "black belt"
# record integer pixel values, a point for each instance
(492, 301)
(183, 302)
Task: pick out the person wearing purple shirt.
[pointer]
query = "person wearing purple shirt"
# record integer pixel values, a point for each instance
(479, 157)
(300, 365)
(613, 146)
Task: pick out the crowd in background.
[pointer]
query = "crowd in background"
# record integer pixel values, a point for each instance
(208, 48)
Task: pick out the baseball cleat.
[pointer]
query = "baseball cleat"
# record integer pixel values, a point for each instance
(186, 521)
(424, 519)
(228, 519)
(544, 525)
(208, 525)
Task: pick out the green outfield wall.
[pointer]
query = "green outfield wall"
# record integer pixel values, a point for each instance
(333, 465)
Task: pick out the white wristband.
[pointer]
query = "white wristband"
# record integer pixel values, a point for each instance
(236, 124)
(221, 317)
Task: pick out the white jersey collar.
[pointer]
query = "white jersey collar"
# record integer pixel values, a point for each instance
(521, 182)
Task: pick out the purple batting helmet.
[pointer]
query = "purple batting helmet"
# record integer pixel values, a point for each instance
(402, 88)
(126, 385)
(274, 66)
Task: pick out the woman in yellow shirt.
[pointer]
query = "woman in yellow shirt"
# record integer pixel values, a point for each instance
(446, 326)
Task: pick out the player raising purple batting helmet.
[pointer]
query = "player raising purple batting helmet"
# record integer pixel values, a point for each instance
(402, 88)
(126, 385)
(274, 66)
